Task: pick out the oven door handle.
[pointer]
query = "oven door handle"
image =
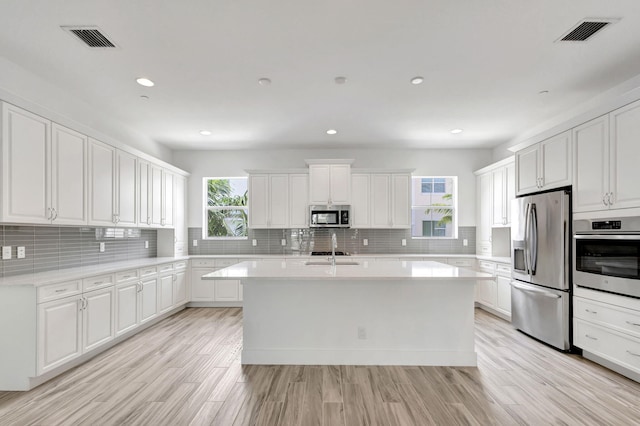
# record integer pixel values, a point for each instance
(606, 237)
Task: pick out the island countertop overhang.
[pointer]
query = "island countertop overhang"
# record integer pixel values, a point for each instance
(365, 270)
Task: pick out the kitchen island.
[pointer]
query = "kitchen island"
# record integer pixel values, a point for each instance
(357, 313)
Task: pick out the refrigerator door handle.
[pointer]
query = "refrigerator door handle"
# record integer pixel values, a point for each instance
(526, 239)
(534, 239)
(536, 291)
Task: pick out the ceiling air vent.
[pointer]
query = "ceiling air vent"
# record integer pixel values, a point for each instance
(91, 36)
(585, 29)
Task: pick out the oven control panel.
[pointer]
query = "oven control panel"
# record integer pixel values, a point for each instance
(606, 224)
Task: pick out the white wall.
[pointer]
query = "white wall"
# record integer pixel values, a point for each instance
(461, 163)
(27, 90)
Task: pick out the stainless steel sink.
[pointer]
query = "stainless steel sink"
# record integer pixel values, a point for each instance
(328, 263)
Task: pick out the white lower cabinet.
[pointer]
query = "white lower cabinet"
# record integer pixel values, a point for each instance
(165, 298)
(213, 290)
(97, 318)
(495, 296)
(180, 288)
(226, 290)
(201, 290)
(148, 299)
(59, 332)
(126, 316)
(608, 326)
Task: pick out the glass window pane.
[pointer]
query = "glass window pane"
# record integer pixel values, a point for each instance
(227, 192)
(227, 223)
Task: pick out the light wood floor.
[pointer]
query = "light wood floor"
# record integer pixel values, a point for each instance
(186, 370)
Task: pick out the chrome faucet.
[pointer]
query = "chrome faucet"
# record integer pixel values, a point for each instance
(334, 245)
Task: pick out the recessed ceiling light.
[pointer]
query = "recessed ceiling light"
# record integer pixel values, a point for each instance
(340, 80)
(264, 81)
(205, 132)
(145, 82)
(332, 131)
(456, 131)
(417, 80)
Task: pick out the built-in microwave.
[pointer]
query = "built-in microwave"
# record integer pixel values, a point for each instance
(607, 255)
(329, 216)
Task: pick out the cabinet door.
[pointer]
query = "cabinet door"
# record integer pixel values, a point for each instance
(624, 169)
(126, 316)
(226, 290)
(97, 318)
(319, 183)
(380, 197)
(165, 298)
(340, 184)
(144, 194)
(201, 290)
(126, 195)
(278, 201)
(155, 184)
(555, 161)
(527, 170)
(591, 165)
(148, 299)
(179, 288)
(259, 201)
(487, 293)
(503, 296)
(360, 207)
(180, 204)
(510, 185)
(101, 184)
(299, 200)
(498, 197)
(484, 189)
(167, 199)
(59, 332)
(25, 166)
(400, 201)
(68, 176)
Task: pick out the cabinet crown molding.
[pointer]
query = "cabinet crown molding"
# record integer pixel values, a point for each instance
(383, 171)
(276, 171)
(507, 161)
(330, 161)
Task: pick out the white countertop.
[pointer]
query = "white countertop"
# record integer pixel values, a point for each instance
(379, 270)
(51, 277)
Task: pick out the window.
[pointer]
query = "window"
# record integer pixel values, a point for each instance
(225, 208)
(434, 207)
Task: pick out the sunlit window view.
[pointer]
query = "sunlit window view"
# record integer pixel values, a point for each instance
(433, 211)
(226, 211)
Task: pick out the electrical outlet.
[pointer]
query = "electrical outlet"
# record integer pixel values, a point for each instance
(404, 242)
(254, 242)
(21, 253)
(101, 247)
(465, 242)
(6, 252)
(283, 242)
(365, 242)
(195, 243)
(362, 333)
(146, 244)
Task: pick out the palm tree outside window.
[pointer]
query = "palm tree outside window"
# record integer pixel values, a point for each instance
(226, 211)
(434, 207)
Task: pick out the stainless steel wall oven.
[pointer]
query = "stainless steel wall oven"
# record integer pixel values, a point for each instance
(607, 255)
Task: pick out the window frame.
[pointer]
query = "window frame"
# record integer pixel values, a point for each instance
(454, 205)
(207, 208)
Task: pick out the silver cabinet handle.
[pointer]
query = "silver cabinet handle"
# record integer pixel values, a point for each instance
(590, 337)
(590, 311)
(80, 304)
(148, 220)
(610, 198)
(632, 353)
(50, 210)
(55, 214)
(633, 323)
(604, 199)
(61, 290)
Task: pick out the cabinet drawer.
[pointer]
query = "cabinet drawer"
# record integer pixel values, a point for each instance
(58, 291)
(167, 267)
(488, 267)
(180, 265)
(95, 283)
(127, 275)
(223, 263)
(148, 271)
(615, 347)
(620, 319)
(467, 263)
(203, 263)
(503, 270)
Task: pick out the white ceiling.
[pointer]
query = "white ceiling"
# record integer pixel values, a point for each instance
(484, 64)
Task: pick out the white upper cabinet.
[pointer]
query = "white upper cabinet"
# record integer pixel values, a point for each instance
(329, 184)
(278, 201)
(126, 189)
(545, 165)
(269, 201)
(624, 154)
(43, 170)
(606, 153)
(380, 201)
(299, 200)
(144, 194)
(503, 192)
(484, 190)
(155, 192)
(167, 199)
(400, 200)
(102, 173)
(360, 203)
(179, 214)
(259, 201)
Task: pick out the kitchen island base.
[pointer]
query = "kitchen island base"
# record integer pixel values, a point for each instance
(359, 322)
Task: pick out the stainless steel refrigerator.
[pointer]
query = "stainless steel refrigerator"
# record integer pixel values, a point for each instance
(540, 256)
